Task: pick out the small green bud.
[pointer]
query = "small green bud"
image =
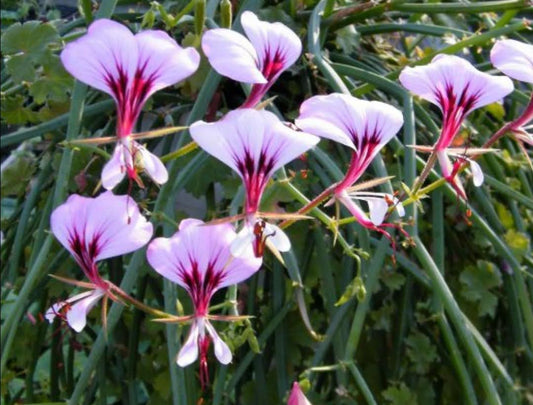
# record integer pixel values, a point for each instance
(225, 14)
(148, 19)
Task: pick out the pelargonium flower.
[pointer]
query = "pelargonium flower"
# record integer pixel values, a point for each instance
(457, 88)
(254, 144)
(271, 49)
(297, 396)
(130, 68)
(365, 127)
(514, 59)
(198, 258)
(94, 229)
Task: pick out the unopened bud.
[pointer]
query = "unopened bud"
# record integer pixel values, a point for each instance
(225, 14)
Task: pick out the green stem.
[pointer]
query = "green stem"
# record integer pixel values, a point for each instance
(452, 309)
(371, 279)
(24, 134)
(361, 383)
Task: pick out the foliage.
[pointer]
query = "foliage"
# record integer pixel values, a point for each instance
(447, 319)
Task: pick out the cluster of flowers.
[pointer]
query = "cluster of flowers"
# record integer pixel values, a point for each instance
(204, 258)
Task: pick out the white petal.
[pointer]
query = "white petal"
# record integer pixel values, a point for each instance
(152, 165)
(51, 312)
(514, 58)
(232, 55)
(446, 166)
(279, 239)
(354, 209)
(222, 351)
(378, 209)
(242, 242)
(189, 351)
(115, 169)
(399, 207)
(477, 173)
(77, 314)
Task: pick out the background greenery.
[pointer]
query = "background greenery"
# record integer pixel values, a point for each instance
(446, 321)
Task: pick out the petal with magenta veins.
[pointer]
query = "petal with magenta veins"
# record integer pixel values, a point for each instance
(222, 351)
(277, 46)
(107, 54)
(350, 121)
(162, 62)
(251, 141)
(232, 55)
(117, 224)
(198, 249)
(101, 227)
(439, 83)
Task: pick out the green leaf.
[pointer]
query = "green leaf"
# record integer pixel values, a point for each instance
(16, 176)
(518, 242)
(54, 82)
(393, 279)
(382, 317)
(31, 38)
(15, 112)
(504, 214)
(400, 395)
(421, 352)
(26, 45)
(162, 384)
(21, 68)
(476, 284)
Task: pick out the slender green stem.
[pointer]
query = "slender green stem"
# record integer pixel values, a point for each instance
(361, 383)
(432, 8)
(54, 124)
(453, 310)
(371, 279)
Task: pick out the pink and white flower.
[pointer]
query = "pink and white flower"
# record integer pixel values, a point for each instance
(270, 49)
(365, 127)
(198, 258)
(255, 144)
(457, 88)
(94, 229)
(130, 68)
(514, 59)
(297, 396)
